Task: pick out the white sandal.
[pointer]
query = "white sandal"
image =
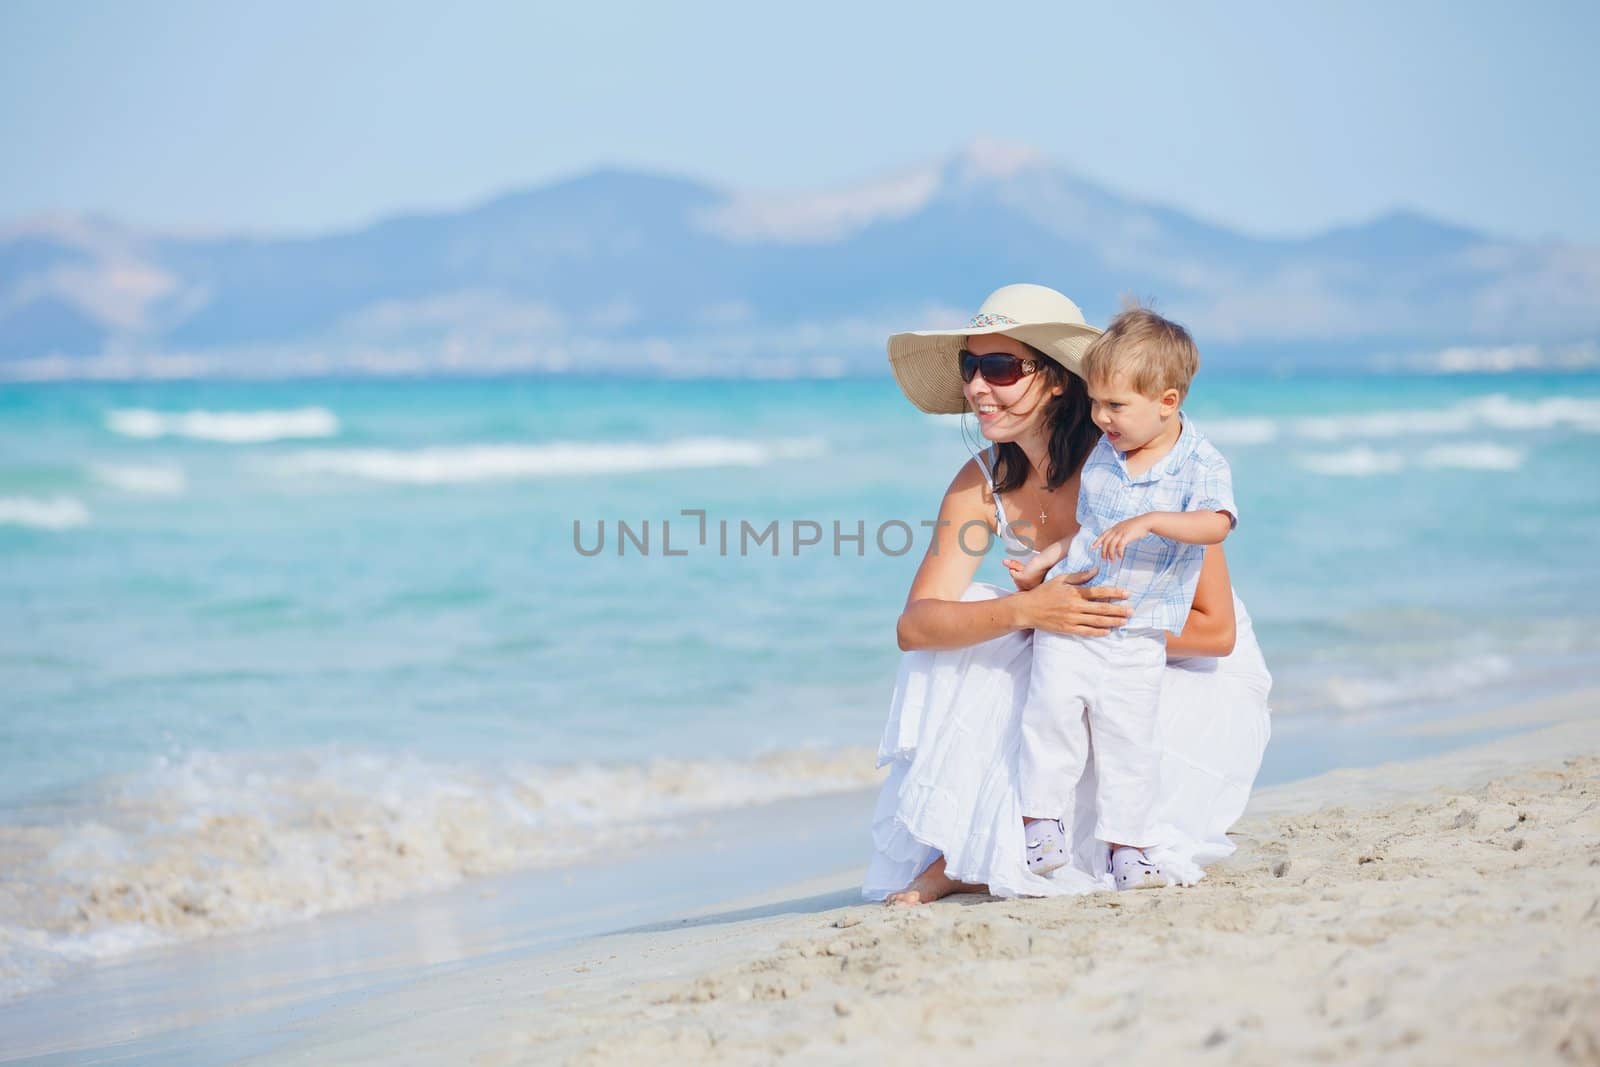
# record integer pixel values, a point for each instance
(1132, 869)
(1047, 846)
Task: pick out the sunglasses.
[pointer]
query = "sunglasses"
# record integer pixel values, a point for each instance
(1001, 368)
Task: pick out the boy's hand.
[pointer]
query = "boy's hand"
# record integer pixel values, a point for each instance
(1027, 575)
(1115, 541)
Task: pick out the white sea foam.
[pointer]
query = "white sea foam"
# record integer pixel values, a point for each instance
(1383, 424)
(1477, 457)
(480, 463)
(43, 513)
(1245, 431)
(1357, 462)
(230, 427)
(221, 842)
(1496, 411)
(152, 480)
(1362, 462)
(1368, 693)
(1578, 413)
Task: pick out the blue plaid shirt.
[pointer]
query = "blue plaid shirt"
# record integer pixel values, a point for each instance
(1159, 574)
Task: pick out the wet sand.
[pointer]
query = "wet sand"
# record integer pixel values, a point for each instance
(1446, 908)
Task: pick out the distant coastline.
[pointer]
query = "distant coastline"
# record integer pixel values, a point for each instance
(681, 277)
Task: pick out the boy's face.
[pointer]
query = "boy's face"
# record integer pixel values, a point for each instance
(1129, 419)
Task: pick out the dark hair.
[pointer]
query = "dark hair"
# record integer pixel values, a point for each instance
(1072, 433)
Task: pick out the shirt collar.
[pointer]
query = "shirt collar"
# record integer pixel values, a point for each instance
(1169, 464)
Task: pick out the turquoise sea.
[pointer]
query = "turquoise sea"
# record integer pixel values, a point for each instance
(273, 649)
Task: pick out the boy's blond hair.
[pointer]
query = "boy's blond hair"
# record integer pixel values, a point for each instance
(1154, 354)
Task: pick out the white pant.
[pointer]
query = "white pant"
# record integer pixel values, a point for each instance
(1104, 691)
(952, 744)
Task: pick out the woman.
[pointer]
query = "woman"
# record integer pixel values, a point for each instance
(948, 818)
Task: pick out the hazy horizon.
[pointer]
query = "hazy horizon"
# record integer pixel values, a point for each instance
(1267, 121)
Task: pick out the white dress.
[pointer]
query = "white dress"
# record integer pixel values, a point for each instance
(953, 740)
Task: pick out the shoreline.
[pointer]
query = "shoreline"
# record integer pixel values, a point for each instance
(1408, 908)
(525, 989)
(829, 821)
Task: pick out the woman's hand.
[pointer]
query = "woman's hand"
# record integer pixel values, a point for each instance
(1063, 605)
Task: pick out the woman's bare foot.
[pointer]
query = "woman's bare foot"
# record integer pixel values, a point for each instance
(929, 886)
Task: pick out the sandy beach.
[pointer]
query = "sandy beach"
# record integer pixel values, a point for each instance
(509, 538)
(1442, 910)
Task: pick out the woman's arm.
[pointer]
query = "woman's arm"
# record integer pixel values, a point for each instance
(935, 616)
(1210, 628)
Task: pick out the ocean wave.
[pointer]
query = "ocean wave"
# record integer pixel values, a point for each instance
(1364, 462)
(480, 463)
(155, 481)
(1496, 412)
(1367, 692)
(1475, 457)
(1353, 463)
(1492, 412)
(229, 427)
(1242, 431)
(225, 842)
(43, 513)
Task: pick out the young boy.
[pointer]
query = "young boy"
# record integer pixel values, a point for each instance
(1153, 494)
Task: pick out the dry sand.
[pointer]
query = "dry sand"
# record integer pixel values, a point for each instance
(1446, 910)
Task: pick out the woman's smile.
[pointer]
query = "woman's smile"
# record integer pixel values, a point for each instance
(986, 405)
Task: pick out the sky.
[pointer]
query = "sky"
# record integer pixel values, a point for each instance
(294, 117)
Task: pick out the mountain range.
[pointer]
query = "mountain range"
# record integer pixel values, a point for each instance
(636, 271)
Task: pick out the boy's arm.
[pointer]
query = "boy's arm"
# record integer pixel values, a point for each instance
(1209, 517)
(1030, 574)
(1190, 527)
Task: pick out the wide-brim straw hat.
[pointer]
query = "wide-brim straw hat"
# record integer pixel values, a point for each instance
(926, 363)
